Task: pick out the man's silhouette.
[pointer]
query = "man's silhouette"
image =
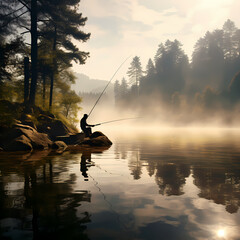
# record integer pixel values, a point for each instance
(86, 128)
(85, 163)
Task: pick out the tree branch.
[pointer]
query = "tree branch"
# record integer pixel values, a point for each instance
(28, 29)
(13, 12)
(25, 5)
(25, 32)
(44, 20)
(4, 25)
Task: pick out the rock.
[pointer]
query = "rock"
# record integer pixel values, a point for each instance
(58, 128)
(37, 140)
(21, 143)
(71, 139)
(59, 145)
(99, 141)
(45, 118)
(96, 134)
(29, 123)
(53, 127)
(26, 119)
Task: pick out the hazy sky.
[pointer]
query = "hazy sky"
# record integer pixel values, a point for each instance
(120, 28)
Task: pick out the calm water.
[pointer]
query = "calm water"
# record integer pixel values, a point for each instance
(174, 185)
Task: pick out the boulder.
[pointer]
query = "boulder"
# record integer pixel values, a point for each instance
(53, 127)
(45, 118)
(37, 140)
(96, 134)
(71, 139)
(59, 145)
(58, 128)
(29, 123)
(97, 139)
(21, 143)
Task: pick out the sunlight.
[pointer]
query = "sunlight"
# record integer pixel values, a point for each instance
(221, 233)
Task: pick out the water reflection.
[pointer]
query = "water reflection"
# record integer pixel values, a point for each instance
(38, 199)
(85, 163)
(164, 188)
(171, 178)
(215, 167)
(220, 185)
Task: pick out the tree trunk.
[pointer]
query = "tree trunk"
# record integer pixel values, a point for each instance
(44, 89)
(53, 68)
(34, 52)
(26, 79)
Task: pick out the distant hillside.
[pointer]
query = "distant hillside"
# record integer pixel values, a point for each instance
(90, 90)
(86, 84)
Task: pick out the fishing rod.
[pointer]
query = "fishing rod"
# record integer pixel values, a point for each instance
(117, 120)
(107, 85)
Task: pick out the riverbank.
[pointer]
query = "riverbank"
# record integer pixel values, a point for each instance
(26, 129)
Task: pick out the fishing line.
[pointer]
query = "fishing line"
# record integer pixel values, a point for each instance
(107, 85)
(109, 203)
(111, 173)
(117, 120)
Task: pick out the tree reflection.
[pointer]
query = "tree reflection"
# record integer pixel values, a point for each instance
(45, 208)
(219, 185)
(171, 178)
(135, 165)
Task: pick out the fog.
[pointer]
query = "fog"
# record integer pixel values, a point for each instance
(149, 118)
(178, 91)
(151, 113)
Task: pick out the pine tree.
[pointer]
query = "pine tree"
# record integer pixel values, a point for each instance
(150, 68)
(58, 20)
(229, 31)
(64, 26)
(135, 71)
(117, 91)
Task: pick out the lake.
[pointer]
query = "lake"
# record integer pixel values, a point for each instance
(166, 184)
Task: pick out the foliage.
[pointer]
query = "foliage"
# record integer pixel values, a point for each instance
(10, 58)
(52, 25)
(199, 86)
(70, 103)
(9, 113)
(121, 92)
(135, 71)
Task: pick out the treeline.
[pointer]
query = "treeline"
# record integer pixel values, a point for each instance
(37, 49)
(173, 82)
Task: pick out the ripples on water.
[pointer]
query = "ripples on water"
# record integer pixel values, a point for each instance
(174, 185)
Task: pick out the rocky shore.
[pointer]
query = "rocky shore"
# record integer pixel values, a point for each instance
(46, 132)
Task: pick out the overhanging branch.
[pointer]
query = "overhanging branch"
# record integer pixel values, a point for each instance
(24, 4)
(11, 20)
(28, 29)
(13, 12)
(25, 32)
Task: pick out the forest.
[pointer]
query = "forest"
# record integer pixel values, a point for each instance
(205, 87)
(37, 48)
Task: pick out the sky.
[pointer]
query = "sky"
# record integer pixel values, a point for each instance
(122, 29)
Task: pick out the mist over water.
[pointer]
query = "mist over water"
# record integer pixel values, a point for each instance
(160, 119)
(152, 183)
(178, 90)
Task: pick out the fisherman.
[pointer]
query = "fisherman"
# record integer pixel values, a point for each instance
(86, 128)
